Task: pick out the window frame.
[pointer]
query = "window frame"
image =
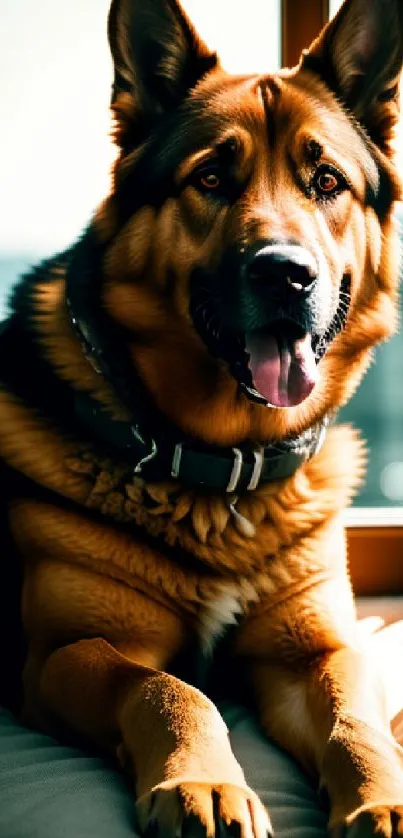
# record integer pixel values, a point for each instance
(374, 536)
(375, 551)
(301, 22)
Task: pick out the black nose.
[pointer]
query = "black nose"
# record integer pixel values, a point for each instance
(284, 269)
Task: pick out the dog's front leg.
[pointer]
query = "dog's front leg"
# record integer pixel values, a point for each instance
(168, 733)
(329, 711)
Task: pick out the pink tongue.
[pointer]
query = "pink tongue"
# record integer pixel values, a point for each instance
(283, 371)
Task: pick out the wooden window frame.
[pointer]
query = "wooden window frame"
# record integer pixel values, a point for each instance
(375, 547)
(374, 536)
(301, 22)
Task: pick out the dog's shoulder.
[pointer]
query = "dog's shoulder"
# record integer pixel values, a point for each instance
(23, 370)
(36, 405)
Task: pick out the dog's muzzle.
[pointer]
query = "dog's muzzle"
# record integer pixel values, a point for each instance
(260, 314)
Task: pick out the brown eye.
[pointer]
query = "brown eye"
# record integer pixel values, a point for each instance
(327, 181)
(213, 180)
(209, 180)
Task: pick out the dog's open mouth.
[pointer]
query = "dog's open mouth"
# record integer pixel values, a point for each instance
(276, 366)
(282, 364)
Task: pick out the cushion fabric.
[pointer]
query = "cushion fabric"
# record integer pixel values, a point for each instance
(48, 790)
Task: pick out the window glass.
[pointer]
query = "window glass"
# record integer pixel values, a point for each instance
(334, 6)
(55, 76)
(245, 33)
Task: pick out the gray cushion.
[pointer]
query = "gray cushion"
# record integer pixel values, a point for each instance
(52, 791)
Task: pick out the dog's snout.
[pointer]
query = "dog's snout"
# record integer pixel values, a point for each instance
(283, 269)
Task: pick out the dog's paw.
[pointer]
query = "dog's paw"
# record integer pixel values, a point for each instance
(372, 822)
(202, 810)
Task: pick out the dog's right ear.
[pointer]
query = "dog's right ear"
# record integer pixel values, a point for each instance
(158, 58)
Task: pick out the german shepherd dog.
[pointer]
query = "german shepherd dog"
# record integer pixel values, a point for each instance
(167, 386)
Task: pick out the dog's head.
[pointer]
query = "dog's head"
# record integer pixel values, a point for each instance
(249, 246)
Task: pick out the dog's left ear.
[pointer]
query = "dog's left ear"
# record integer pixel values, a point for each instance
(360, 55)
(158, 58)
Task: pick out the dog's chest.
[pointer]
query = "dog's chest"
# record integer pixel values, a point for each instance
(221, 612)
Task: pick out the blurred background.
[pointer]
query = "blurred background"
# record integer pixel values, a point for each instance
(55, 157)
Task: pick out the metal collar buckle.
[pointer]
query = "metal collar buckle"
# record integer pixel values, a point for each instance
(148, 457)
(176, 460)
(236, 472)
(258, 455)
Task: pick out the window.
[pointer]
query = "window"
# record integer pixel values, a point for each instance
(55, 75)
(242, 46)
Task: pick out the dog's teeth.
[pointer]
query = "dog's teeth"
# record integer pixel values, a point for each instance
(254, 394)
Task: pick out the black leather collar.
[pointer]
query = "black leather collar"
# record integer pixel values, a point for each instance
(236, 469)
(156, 449)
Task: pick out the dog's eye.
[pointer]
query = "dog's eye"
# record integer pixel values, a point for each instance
(210, 181)
(327, 181)
(208, 178)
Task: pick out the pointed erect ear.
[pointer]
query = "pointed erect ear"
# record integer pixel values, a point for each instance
(158, 58)
(360, 55)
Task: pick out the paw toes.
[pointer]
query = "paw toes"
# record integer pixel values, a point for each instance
(376, 822)
(231, 813)
(197, 810)
(260, 818)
